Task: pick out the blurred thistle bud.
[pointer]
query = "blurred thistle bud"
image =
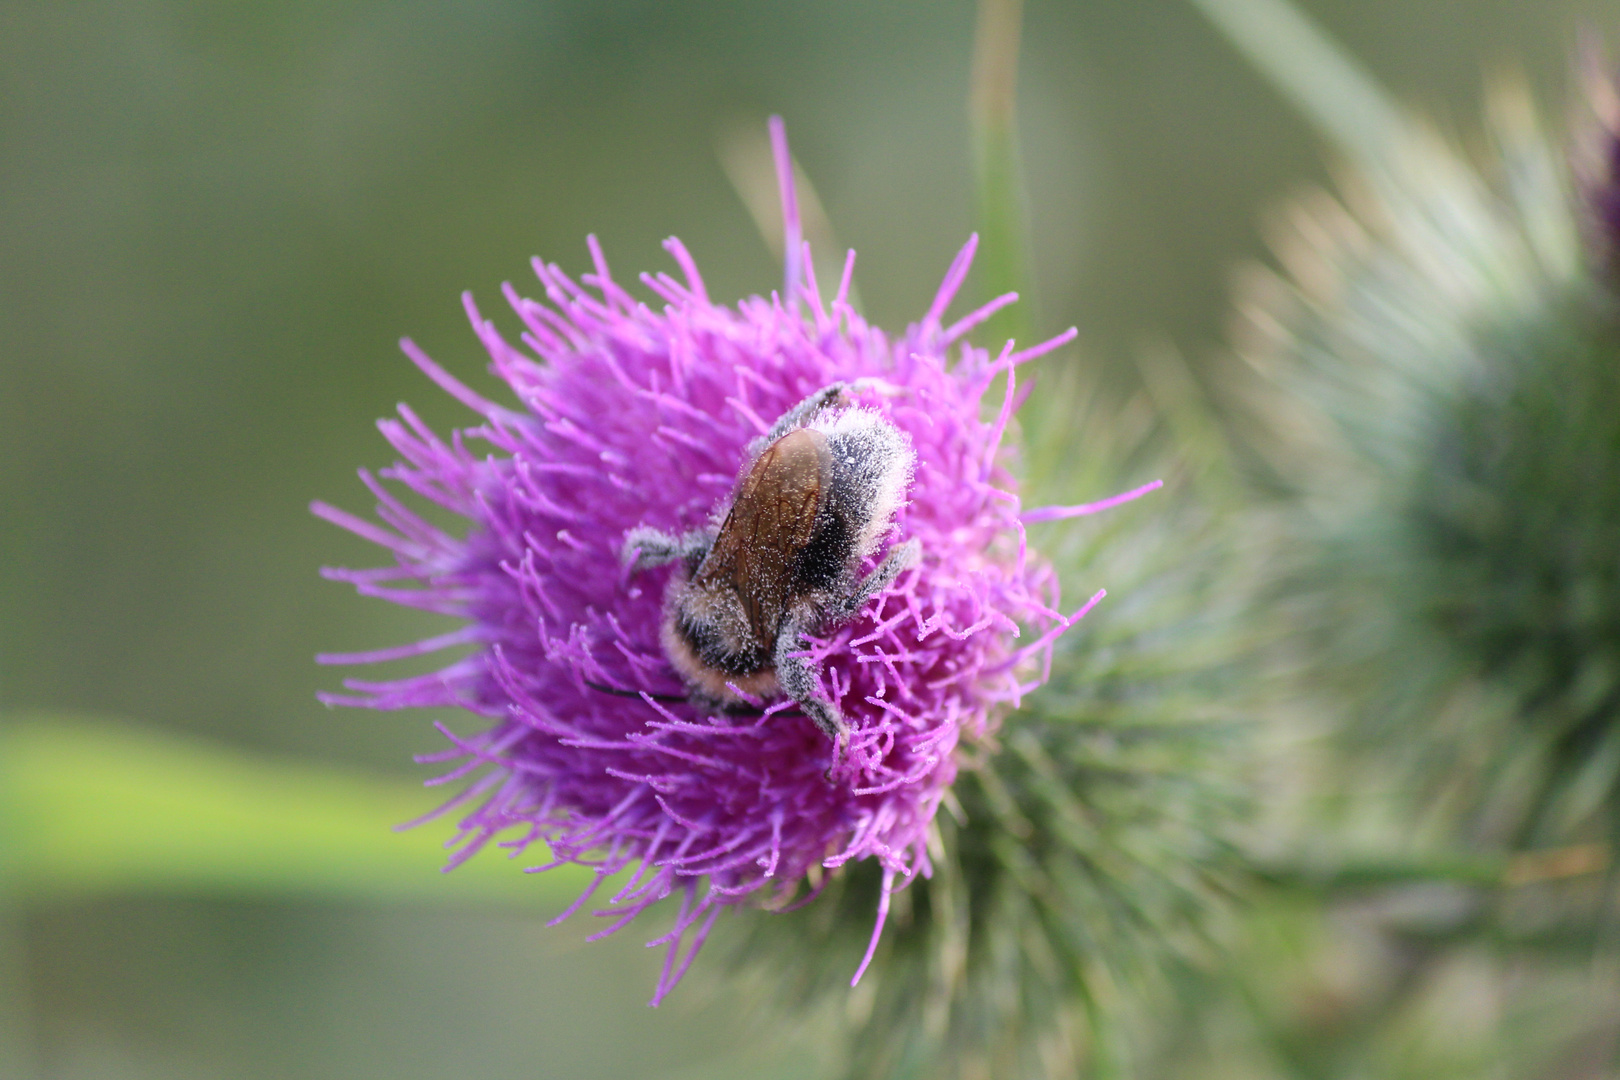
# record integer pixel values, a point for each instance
(1441, 359)
(791, 700)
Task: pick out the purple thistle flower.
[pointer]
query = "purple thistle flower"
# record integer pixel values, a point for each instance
(630, 416)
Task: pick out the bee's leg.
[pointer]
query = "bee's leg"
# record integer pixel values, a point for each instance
(646, 547)
(798, 681)
(879, 579)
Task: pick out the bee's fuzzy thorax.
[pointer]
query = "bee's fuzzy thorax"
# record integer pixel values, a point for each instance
(878, 460)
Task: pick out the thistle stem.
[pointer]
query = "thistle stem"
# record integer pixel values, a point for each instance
(998, 168)
(1339, 97)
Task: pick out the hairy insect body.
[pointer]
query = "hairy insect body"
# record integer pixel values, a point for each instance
(722, 623)
(816, 498)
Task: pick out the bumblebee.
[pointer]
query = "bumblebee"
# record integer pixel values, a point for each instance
(816, 497)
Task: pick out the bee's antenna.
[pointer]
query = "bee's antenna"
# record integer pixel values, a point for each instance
(636, 693)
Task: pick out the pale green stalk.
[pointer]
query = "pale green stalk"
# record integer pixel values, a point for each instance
(1003, 264)
(1334, 92)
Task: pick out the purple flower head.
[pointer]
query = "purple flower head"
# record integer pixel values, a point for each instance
(1595, 159)
(632, 416)
(1599, 165)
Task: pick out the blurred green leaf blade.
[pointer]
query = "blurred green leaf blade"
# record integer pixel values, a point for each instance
(95, 806)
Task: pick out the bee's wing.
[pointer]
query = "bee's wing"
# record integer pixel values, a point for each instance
(770, 523)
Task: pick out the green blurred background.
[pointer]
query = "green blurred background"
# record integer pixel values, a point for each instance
(217, 219)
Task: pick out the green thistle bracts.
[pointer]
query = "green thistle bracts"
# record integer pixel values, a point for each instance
(1450, 529)
(1092, 848)
(1515, 539)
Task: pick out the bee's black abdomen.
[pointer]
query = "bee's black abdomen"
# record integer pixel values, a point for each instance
(713, 649)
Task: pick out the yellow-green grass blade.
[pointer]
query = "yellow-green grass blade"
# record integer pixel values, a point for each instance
(92, 806)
